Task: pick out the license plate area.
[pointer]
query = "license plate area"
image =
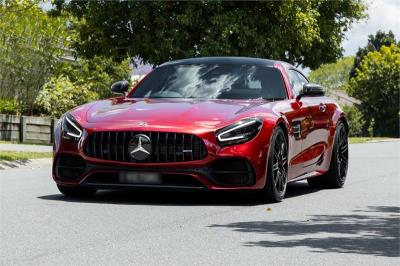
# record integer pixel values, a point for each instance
(140, 178)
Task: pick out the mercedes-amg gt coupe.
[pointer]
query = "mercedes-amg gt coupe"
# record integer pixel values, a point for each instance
(207, 123)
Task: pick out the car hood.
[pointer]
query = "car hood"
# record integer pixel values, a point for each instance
(171, 112)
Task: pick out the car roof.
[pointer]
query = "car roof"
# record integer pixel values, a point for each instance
(220, 60)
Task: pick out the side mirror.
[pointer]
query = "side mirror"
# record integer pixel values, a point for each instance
(310, 89)
(120, 87)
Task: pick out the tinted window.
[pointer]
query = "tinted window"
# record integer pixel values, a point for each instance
(297, 81)
(212, 82)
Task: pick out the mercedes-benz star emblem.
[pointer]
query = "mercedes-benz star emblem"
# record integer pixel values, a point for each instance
(139, 147)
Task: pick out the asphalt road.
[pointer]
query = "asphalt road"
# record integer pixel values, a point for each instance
(356, 225)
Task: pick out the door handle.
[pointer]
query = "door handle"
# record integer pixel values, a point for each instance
(322, 107)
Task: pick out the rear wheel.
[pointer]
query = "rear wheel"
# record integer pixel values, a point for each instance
(336, 175)
(276, 179)
(76, 191)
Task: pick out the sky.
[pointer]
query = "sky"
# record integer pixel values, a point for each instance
(383, 15)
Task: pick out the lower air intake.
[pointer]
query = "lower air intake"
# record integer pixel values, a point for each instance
(233, 171)
(70, 167)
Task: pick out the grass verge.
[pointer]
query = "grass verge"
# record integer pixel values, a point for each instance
(355, 140)
(23, 155)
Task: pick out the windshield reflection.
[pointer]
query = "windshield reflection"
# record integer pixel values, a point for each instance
(212, 82)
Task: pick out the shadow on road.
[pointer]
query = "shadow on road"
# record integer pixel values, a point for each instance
(374, 231)
(180, 198)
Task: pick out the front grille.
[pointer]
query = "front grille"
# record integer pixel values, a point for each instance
(166, 147)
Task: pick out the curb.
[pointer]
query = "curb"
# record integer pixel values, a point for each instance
(31, 163)
(377, 141)
(382, 140)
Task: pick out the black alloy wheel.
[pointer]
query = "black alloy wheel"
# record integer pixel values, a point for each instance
(276, 180)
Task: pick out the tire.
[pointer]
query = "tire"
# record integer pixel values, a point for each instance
(76, 192)
(336, 175)
(276, 178)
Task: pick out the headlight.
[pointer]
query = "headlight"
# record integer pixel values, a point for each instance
(71, 129)
(240, 132)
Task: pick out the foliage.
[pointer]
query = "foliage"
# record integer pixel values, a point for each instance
(355, 120)
(371, 128)
(32, 46)
(9, 106)
(77, 83)
(333, 76)
(375, 42)
(377, 85)
(60, 95)
(30, 42)
(301, 32)
(96, 74)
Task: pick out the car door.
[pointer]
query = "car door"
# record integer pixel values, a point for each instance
(315, 141)
(299, 119)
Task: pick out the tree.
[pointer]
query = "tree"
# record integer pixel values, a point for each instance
(375, 42)
(60, 95)
(300, 32)
(333, 76)
(355, 120)
(96, 74)
(79, 83)
(377, 85)
(30, 43)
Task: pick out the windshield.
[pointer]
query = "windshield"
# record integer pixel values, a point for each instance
(212, 82)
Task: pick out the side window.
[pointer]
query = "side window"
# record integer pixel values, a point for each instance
(294, 82)
(297, 81)
(302, 79)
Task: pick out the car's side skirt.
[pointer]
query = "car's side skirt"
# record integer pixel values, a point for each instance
(305, 176)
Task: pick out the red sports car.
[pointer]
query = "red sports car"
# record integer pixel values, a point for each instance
(213, 123)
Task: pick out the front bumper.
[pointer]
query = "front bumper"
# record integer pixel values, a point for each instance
(221, 173)
(238, 167)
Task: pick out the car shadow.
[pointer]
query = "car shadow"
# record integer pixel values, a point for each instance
(371, 231)
(180, 198)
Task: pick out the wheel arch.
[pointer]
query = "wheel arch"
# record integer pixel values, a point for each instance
(279, 124)
(282, 125)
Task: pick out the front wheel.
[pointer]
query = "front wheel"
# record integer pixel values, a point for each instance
(276, 179)
(76, 191)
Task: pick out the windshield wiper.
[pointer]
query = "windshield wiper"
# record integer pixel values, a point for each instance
(274, 99)
(163, 97)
